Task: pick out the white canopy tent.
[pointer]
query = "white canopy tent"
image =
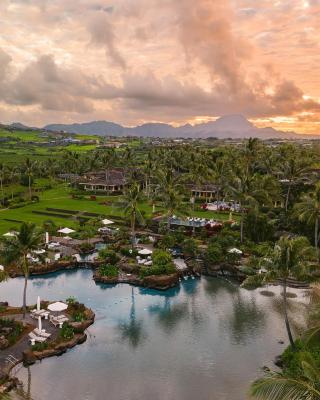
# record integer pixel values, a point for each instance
(145, 252)
(66, 231)
(107, 222)
(57, 306)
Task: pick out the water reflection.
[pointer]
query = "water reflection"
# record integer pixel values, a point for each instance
(246, 320)
(132, 331)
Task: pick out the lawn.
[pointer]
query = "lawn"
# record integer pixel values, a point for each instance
(60, 198)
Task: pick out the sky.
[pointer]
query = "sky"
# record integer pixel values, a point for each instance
(172, 61)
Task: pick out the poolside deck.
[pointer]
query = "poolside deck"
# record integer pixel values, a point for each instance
(23, 344)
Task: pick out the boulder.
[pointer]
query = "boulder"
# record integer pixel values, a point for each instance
(161, 282)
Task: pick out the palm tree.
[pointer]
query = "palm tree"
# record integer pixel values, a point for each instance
(29, 169)
(292, 169)
(278, 386)
(290, 258)
(107, 160)
(170, 191)
(308, 210)
(130, 202)
(14, 251)
(3, 173)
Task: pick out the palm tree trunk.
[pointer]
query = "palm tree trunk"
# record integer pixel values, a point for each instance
(133, 223)
(30, 194)
(316, 244)
(25, 295)
(285, 310)
(287, 196)
(2, 193)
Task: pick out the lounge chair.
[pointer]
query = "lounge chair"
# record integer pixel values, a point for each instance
(34, 338)
(42, 333)
(58, 317)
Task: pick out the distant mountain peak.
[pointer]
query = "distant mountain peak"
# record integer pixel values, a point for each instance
(227, 126)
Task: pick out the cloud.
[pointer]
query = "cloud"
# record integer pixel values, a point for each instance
(172, 60)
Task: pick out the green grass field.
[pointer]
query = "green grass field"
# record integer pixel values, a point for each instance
(60, 198)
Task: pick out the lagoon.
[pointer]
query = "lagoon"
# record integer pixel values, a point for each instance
(205, 340)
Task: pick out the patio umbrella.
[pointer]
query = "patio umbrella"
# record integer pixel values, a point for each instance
(235, 251)
(47, 237)
(57, 306)
(107, 222)
(145, 252)
(10, 234)
(66, 231)
(38, 304)
(1, 268)
(39, 324)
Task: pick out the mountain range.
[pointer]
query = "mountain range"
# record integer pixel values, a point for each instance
(229, 126)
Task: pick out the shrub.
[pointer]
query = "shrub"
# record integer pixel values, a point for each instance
(253, 281)
(189, 247)
(162, 264)
(109, 256)
(71, 300)
(128, 252)
(214, 254)
(39, 346)
(66, 332)
(110, 271)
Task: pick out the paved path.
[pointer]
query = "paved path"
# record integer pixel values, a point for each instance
(17, 349)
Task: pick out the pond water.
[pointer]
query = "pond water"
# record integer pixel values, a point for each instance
(205, 340)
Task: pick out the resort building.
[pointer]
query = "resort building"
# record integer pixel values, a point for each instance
(207, 192)
(112, 181)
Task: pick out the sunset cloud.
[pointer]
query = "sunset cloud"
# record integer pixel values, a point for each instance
(170, 61)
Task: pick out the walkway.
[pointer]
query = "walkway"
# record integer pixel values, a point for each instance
(17, 349)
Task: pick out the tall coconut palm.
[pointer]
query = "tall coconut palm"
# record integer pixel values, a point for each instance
(107, 160)
(290, 258)
(130, 204)
(278, 386)
(29, 168)
(3, 174)
(14, 252)
(169, 190)
(308, 210)
(292, 169)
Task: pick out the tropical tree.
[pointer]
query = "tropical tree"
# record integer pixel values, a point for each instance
(169, 190)
(308, 210)
(292, 169)
(3, 172)
(130, 203)
(278, 386)
(290, 258)
(29, 168)
(14, 252)
(107, 160)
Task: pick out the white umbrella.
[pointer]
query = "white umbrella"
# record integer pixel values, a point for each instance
(235, 251)
(145, 252)
(66, 231)
(47, 237)
(57, 306)
(39, 324)
(41, 251)
(38, 304)
(107, 222)
(1, 268)
(10, 234)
